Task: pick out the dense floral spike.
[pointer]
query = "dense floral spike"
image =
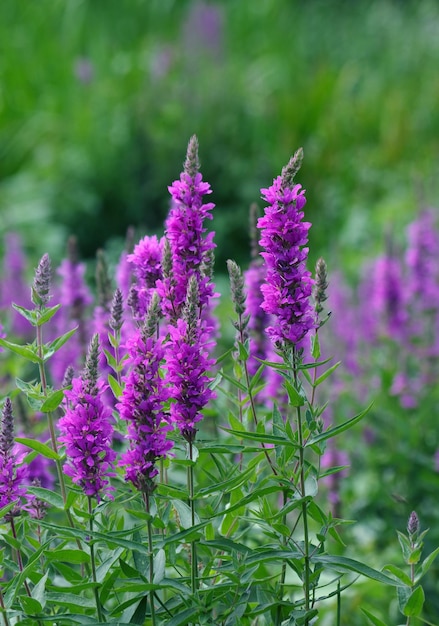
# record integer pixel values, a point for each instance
(141, 404)
(320, 286)
(187, 359)
(413, 524)
(236, 286)
(189, 243)
(12, 477)
(116, 318)
(41, 284)
(87, 432)
(288, 283)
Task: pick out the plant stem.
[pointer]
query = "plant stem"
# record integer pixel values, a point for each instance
(194, 563)
(306, 554)
(2, 605)
(284, 565)
(101, 617)
(151, 557)
(250, 395)
(19, 557)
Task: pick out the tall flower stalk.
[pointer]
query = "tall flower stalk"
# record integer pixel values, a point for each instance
(287, 293)
(142, 406)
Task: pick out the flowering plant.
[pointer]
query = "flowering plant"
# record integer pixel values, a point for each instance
(191, 487)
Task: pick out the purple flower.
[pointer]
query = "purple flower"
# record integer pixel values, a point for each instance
(288, 284)
(74, 296)
(190, 246)
(12, 477)
(187, 361)
(14, 287)
(258, 319)
(145, 261)
(86, 430)
(141, 404)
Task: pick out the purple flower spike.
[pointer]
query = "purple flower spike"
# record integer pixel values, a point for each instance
(146, 266)
(187, 359)
(190, 245)
(87, 432)
(12, 477)
(141, 404)
(288, 283)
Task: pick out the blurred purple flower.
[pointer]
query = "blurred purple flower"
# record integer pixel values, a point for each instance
(14, 287)
(203, 31)
(84, 70)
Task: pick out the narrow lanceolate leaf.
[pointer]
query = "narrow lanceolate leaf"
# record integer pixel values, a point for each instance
(29, 314)
(294, 396)
(47, 314)
(333, 432)
(344, 564)
(372, 619)
(39, 447)
(399, 573)
(53, 401)
(426, 564)
(29, 351)
(56, 344)
(51, 497)
(115, 387)
(325, 375)
(414, 604)
(263, 438)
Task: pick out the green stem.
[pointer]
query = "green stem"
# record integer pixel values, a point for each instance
(250, 396)
(20, 563)
(194, 564)
(338, 604)
(151, 557)
(2, 605)
(101, 617)
(284, 565)
(306, 554)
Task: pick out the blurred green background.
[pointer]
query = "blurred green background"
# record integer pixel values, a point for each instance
(99, 98)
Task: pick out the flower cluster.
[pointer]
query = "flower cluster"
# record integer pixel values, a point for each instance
(141, 404)
(12, 476)
(187, 361)
(288, 284)
(190, 245)
(86, 430)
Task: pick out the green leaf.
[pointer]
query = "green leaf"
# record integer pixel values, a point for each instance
(71, 600)
(333, 432)
(56, 344)
(263, 438)
(294, 396)
(115, 387)
(39, 591)
(29, 314)
(373, 620)
(315, 346)
(68, 556)
(47, 314)
(53, 401)
(325, 375)
(344, 564)
(52, 497)
(30, 606)
(399, 573)
(414, 604)
(185, 514)
(28, 351)
(183, 617)
(159, 566)
(235, 423)
(39, 447)
(426, 564)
